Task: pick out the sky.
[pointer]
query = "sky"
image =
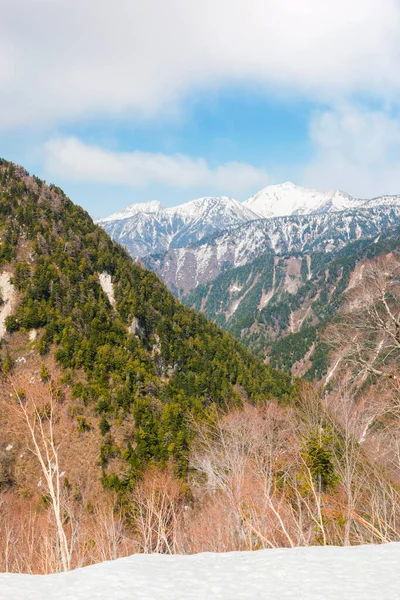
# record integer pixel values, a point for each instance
(129, 101)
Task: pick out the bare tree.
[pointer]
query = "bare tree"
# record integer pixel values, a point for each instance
(38, 410)
(247, 456)
(157, 511)
(368, 335)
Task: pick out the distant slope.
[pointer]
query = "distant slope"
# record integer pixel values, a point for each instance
(150, 228)
(279, 305)
(185, 268)
(331, 573)
(289, 199)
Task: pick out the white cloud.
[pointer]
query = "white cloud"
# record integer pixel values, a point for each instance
(67, 59)
(357, 150)
(72, 160)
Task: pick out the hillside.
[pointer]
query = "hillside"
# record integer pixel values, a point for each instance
(279, 305)
(121, 345)
(183, 269)
(363, 573)
(129, 423)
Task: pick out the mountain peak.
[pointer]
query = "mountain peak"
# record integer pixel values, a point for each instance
(289, 199)
(133, 209)
(224, 205)
(153, 231)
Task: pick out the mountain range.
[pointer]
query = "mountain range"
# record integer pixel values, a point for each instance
(185, 268)
(266, 277)
(149, 228)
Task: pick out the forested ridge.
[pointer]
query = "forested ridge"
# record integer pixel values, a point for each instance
(169, 366)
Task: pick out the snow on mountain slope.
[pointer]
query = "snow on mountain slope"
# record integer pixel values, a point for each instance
(314, 573)
(290, 199)
(133, 209)
(211, 207)
(382, 201)
(184, 268)
(158, 230)
(151, 229)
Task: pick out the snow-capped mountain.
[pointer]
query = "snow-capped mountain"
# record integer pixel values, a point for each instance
(133, 209)
(289, 199)
(153, 229)
(186, 267)
(382, 201)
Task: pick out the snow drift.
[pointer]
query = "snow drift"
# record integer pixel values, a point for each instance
(316, 573)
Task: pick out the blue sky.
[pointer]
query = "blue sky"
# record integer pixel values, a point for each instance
(230, 126)
(226, 126)
(130, 101)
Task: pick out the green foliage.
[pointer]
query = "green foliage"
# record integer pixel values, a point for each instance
(83, 424)
(44, 373)
(7, 364)
(319, 362)
(319, 459)
(293, 347)
(104, 426)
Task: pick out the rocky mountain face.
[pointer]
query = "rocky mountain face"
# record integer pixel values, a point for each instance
(280, 305)
(149, 228)
(183, 269)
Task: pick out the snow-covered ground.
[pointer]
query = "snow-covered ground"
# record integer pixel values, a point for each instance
(107, 287)
(330, 573)
(8, 294)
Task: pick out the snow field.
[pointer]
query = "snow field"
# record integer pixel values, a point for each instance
(316, 573)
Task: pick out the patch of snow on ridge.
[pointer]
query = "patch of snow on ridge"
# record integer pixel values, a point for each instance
(107, 287)
(332, 371)
(9, 297)
(315, 573)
